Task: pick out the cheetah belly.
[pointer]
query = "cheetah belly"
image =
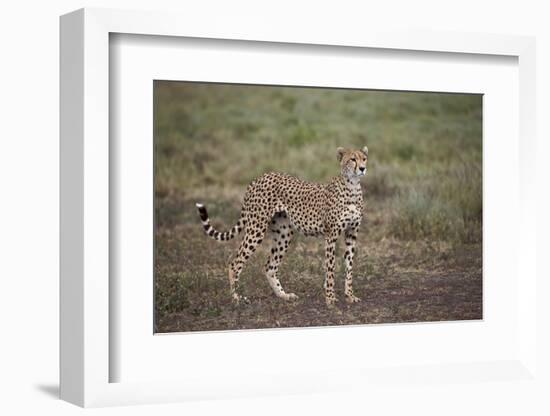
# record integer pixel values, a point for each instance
(308, 222)
(304, 204)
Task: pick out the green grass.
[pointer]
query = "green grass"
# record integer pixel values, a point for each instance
(425, 148)
(423, 189)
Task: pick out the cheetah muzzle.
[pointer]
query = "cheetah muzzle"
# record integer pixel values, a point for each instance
(278, 204)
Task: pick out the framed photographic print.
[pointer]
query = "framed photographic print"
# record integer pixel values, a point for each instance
(263, 213)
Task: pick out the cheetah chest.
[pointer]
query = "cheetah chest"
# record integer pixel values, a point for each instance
(351, 215)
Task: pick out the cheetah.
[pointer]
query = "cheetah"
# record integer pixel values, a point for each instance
(278, 204)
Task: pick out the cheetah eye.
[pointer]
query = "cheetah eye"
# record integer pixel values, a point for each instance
(353, 159)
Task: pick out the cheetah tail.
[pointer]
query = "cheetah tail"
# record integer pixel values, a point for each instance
(210, 231)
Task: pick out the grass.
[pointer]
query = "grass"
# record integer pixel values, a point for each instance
(423, 195)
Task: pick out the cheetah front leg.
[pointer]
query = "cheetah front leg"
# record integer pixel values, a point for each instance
(351, 237)
(330, 296)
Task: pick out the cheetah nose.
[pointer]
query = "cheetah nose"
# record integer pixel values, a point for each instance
(362, 169)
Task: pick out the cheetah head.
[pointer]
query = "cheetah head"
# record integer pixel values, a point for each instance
(353, 163)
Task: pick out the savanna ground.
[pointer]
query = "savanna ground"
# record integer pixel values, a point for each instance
(419, 250)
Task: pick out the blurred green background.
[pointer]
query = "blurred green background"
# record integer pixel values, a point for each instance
(425, 163)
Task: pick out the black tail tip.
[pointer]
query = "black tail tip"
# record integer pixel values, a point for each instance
(202, 211)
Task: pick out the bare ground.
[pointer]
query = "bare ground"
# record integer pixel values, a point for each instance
(398, 281)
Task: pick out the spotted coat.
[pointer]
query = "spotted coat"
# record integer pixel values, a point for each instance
(276, 205)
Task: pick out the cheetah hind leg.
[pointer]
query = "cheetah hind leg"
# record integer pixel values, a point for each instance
(248, 245)
(281, 235)
(233, 284)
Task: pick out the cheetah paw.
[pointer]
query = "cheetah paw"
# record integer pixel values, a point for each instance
(291, 296)
(239, 299)
(331, 302)
(352, 299)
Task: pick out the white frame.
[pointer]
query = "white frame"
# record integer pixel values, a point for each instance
(135, 61)
(85, 190)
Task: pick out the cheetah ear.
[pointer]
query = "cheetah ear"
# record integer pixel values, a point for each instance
(365, 150)
(340, 153)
